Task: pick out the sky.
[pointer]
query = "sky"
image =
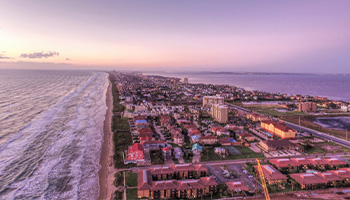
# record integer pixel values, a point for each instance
(264, 36)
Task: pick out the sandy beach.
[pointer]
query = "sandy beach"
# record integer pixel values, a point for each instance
(106, 161)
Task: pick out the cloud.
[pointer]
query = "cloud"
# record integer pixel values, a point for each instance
(68, 59)
(2, 56)
(43, 54)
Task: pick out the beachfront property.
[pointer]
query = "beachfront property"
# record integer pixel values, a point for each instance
(135, 154)
(272, 175)
(279, 129)
(220, 113)
(175, 181)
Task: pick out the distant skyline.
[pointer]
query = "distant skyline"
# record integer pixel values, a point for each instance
(248, 36)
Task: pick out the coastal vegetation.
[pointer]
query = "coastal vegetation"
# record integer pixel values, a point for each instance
(120, 128)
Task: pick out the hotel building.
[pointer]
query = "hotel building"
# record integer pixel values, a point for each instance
(220, 113)
(279, 129)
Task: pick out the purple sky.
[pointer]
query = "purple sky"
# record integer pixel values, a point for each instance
(277, 36)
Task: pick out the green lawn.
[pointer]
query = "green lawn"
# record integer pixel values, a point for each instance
(131, 179)
(131, 194)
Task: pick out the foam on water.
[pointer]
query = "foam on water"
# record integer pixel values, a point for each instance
(56, 154)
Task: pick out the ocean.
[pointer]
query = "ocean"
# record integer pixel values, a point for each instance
(335, 87)
(51, 133)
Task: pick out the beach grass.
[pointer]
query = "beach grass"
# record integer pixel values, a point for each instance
(131, 179)
(131, 193)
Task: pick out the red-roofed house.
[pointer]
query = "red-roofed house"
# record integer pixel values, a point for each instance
(135, 153)
(309, 180)
(272, 175)
(166, 153)
(235, 188)
(208, 139)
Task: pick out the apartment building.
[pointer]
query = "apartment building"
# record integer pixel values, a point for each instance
(220, 113)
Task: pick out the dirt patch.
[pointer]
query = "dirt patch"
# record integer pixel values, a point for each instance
(330, 148)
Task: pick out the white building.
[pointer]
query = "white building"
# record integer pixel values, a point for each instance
(345, 108)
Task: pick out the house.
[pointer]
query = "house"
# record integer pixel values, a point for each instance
(178, 138)
(208, 139)
(271, 174)
(220, 151)
(135, 154)
(196, 149)
(194, 138)
(178, 153)
(247, 137)
(165, 120)
(222, 132)
(141, 122)
(256, 117)
(166, 153)
(236, 187)
(275, 145)
(192, 132)
(224, 142)
(154, 145)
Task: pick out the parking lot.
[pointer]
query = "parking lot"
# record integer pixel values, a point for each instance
(234, 172)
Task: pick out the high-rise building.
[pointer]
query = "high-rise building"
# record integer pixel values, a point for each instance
(185, 80)
(307, 107)
(210, 100)
(220, 113)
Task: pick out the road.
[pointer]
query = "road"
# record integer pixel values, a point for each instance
(319, 134)
(238, 161)
(308, 130)
(238, 108)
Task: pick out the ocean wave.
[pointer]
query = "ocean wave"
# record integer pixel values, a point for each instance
(57, 153)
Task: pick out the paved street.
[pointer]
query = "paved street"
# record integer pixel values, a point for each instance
(308, 130)
(319, 134)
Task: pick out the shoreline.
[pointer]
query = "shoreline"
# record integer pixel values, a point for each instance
(106, 187)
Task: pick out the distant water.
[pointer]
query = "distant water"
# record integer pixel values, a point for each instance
(335, 87)
(340, 123)
(51, 132)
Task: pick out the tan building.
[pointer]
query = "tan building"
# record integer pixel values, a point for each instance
(307, 107)
(279, 129)
(175, 181)
(209, 139)
(256, 117)
(210, 100)
(220, 113)
(276, 145)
